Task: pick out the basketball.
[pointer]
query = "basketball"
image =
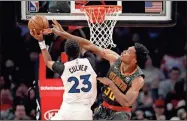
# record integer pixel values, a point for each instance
(38, 23)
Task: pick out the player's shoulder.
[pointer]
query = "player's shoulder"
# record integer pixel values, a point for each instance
(138, 82)
(83, 60)
(58, 67)
(139, 79)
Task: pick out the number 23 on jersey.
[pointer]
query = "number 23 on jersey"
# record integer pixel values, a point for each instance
(86, 82)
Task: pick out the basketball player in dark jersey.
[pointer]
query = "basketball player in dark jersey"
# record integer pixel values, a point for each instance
(123, 81)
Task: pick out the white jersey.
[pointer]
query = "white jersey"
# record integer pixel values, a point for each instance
(80, 84)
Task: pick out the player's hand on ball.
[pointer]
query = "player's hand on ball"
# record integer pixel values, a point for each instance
(104, 80)
(57, 25)
(47, 31)
(38, 37)
(57, 28)
(56, 32)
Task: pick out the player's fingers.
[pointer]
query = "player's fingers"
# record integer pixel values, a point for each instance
(55, 26)
(103, 80)
(31, 32)
(61, 28)
(59, 25)
(41, 33)
(55, 31)
(35, 33)
(107, 79)
(55, 22)
(47, 31)
(100, 79)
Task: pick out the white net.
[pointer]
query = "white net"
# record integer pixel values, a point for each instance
(101, 21)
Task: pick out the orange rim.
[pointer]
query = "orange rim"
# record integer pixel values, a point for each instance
(101, 7)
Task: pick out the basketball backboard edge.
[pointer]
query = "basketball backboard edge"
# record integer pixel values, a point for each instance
(168, 23)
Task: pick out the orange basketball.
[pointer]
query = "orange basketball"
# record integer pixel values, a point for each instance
(38, 23)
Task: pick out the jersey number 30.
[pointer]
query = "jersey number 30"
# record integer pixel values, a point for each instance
(86, 81)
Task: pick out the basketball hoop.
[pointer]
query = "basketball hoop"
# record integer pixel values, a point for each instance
(101, 21)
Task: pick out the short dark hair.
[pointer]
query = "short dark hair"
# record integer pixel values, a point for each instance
(141, 54)
(18, 103)
(72, 48)
(174, 69)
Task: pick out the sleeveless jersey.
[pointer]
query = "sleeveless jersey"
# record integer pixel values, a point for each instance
(80, 84)
(122, 82)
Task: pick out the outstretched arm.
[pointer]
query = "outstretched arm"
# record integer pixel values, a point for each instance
(109, 55)
(54, 66)
(131, 95)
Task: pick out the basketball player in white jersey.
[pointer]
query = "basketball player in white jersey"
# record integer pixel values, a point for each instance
(79, 79)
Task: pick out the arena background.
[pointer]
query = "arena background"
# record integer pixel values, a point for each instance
(162, 97)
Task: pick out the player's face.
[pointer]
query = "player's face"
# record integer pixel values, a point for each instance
(129, 55)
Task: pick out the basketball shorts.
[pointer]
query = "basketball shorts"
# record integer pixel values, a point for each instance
(103, 113)
(74, 112)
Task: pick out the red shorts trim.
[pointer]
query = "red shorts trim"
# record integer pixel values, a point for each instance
(116, 108)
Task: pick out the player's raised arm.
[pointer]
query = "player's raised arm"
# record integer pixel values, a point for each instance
(131, 95)
(54, 66)
(109, 55)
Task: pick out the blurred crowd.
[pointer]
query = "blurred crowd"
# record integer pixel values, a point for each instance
(163, 95)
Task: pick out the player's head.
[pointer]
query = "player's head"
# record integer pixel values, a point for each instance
(72, 49)
(136, 54)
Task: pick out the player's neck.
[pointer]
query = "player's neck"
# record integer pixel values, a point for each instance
(127, 69)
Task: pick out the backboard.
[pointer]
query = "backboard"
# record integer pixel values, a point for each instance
(133, 13)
